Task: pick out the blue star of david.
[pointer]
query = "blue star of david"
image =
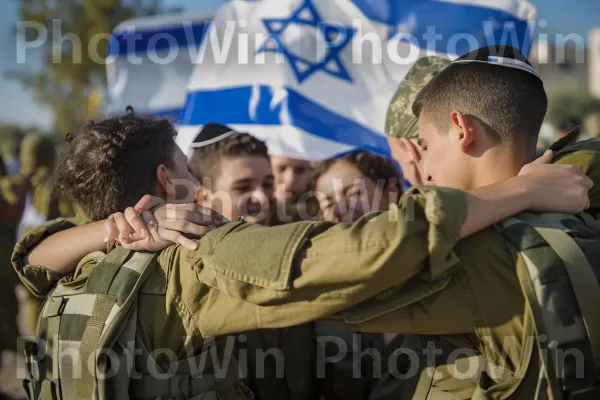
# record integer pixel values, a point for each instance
(303, 68)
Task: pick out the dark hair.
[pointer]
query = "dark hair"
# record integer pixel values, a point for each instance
(205, 161)
(569, 123)
(111, 164)
(508, 102)
(379, 169)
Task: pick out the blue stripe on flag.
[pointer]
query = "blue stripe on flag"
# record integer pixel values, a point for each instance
(184, 36)
(231, 106)
(449, 20)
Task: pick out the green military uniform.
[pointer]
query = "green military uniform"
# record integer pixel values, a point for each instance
(176, 310)
(400, 120)
(307, 346)
(43, 203)
(402, 123)
(405, 270)
(170, 313)
(291, 376)
(412, 277)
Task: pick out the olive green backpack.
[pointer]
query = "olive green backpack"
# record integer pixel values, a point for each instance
(88, 347)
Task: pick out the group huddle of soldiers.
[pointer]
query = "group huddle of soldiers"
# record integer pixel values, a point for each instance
(227, 273)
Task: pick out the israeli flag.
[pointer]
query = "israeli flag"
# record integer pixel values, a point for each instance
(313, 78)
(150, 62)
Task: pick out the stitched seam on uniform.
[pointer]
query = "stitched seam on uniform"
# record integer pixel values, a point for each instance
(179, 304)
(373, 245)
(465, 282)
(287, 260)
(293, 249)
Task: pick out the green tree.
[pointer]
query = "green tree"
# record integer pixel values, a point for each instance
(73, 68)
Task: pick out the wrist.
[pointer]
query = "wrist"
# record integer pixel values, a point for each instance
(526, 191)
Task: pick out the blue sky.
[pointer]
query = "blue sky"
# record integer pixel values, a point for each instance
(18, 105)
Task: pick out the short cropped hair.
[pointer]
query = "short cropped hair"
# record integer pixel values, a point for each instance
(112, 163)
(510, 103)
(206, 161)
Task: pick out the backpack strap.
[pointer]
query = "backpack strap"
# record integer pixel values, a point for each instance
(541, 285)
(582, 277)
(115, 282)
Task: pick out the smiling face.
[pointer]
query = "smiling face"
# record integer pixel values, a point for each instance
(345, 194)
(244, 186)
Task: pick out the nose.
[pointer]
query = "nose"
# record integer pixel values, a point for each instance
(341, 212)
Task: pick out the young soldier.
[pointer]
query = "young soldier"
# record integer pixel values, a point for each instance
(478, 125)
(347, 187)
(123, 299)
(287, 275)
(236, 179)
(401, 125)
(234, 174)
(37, 159)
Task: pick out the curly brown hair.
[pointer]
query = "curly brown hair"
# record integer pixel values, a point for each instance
(205, 161)
(111, 164)
(379, 169)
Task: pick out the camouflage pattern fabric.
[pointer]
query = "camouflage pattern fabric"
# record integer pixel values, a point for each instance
(400, 121)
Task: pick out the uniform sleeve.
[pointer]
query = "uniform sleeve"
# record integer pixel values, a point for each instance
(466, 301)
(305, 271)
(37, 279)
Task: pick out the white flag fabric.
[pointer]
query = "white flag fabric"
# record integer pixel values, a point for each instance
(150, 63)
(313, 78)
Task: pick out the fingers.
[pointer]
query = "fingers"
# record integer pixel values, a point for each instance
(112, 233)
(545, 158)
(148, 202)
(178, 238)
(185, 226)
(136, 222)
(190, 212)
(125, 230)
(150, 220)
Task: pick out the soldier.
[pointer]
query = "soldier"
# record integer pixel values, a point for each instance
(37, 159)
(402, 132)
(234, 174)
(401, 126)
(236, 180)
(348, 187)
(407, 266)
(109, 164)
(487, 294)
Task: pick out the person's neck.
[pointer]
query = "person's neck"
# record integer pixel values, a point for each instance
(497, 166)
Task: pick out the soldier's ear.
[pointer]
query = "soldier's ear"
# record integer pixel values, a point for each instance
(164, 183)
(463, 130)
